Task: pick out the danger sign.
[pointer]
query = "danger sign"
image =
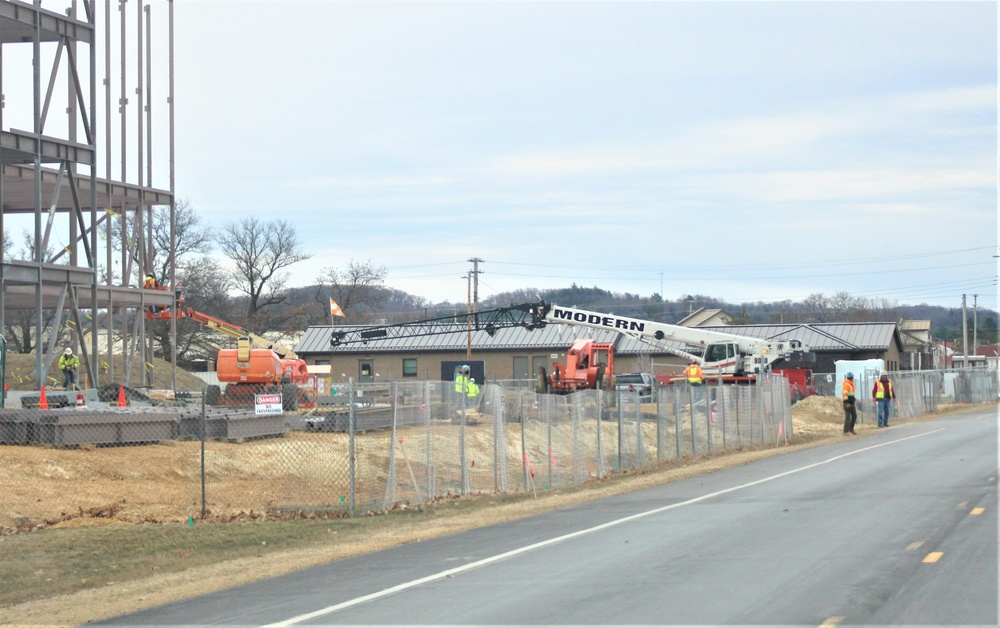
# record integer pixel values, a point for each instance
(267, 404)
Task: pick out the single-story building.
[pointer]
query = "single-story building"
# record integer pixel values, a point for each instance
(516, 353)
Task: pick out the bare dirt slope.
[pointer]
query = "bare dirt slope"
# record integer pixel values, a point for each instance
(21, 366)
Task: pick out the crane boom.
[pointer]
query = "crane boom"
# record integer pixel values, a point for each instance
(721, 353)
(223, 327)
(524, 315)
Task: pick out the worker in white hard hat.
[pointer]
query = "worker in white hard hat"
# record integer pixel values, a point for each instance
(68, 364)
(473, 389)
(462, 379)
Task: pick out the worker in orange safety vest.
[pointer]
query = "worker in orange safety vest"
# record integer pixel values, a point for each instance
(850, 404)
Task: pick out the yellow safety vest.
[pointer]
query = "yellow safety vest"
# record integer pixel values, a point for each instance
(880, 389)
(694, 374)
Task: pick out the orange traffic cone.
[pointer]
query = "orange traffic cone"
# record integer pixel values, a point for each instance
(121, 397)
(43, 402)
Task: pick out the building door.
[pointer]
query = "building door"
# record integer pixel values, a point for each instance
(366, 371)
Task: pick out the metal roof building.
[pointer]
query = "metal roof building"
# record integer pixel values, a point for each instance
(515, 352)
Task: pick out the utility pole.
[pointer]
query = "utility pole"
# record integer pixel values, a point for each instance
(975, 324)
(475, 283)
(965, 334)
(468, 317)
(474, 273)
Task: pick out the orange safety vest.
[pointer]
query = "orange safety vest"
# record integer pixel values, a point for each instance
(847, 390)
(694, 374)
(880, 389)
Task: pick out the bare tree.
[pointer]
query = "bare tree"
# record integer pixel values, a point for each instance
(20, 325)
(206, 287)
(190, 238)
(817, 306)
(357, 288)
(261, 251)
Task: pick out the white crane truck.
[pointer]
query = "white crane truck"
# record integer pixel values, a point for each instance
(722, 354)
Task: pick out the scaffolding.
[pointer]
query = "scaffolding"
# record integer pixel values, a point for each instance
(72, 185)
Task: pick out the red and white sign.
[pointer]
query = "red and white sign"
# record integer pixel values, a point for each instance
(267, 404)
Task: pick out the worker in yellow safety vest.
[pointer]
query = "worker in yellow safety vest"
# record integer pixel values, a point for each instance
(850, 406)
(694, 374)
(473, 389)
(883, 394)
(462, 379)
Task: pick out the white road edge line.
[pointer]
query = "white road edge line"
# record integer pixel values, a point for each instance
(515, 552)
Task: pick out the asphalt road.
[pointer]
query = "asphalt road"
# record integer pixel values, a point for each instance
(897, 528)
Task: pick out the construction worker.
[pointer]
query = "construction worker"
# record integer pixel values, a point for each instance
(850, 404)
(694, 374)
(462, 379)
(883, 394)
(473, 389)
(150, 284)
(68, 363)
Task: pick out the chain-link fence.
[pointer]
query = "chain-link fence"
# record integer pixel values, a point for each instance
(139, 455)
(922, 392)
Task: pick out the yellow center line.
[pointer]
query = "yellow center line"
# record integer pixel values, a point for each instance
(914, 546)
(831, 622)
(977, 511)
(933, 557)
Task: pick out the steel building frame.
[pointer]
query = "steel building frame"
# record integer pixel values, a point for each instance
(55, 179)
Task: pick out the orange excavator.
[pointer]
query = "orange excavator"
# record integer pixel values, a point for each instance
(255, 366)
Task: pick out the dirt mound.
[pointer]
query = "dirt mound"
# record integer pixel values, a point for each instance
(818, 415)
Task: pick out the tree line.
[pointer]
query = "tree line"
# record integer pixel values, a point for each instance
(252, 291)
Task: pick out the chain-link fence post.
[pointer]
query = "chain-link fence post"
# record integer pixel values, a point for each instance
(3, 371)
(201, 436)
(524, 450)
(351, 430)
(463, 471)
(676, 398)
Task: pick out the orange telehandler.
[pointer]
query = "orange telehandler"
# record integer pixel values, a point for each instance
(589, 365)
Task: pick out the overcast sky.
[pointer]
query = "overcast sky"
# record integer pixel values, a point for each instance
(746, 151)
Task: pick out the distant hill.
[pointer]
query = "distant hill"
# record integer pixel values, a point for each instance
(309, 306)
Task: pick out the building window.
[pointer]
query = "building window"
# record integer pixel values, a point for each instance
(322, 363)
(409, 367)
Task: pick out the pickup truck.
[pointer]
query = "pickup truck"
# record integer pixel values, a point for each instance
(643, 383)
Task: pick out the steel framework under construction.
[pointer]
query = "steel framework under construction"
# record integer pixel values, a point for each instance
(82, 193)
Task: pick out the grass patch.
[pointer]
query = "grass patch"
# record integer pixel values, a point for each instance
(53, 562)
